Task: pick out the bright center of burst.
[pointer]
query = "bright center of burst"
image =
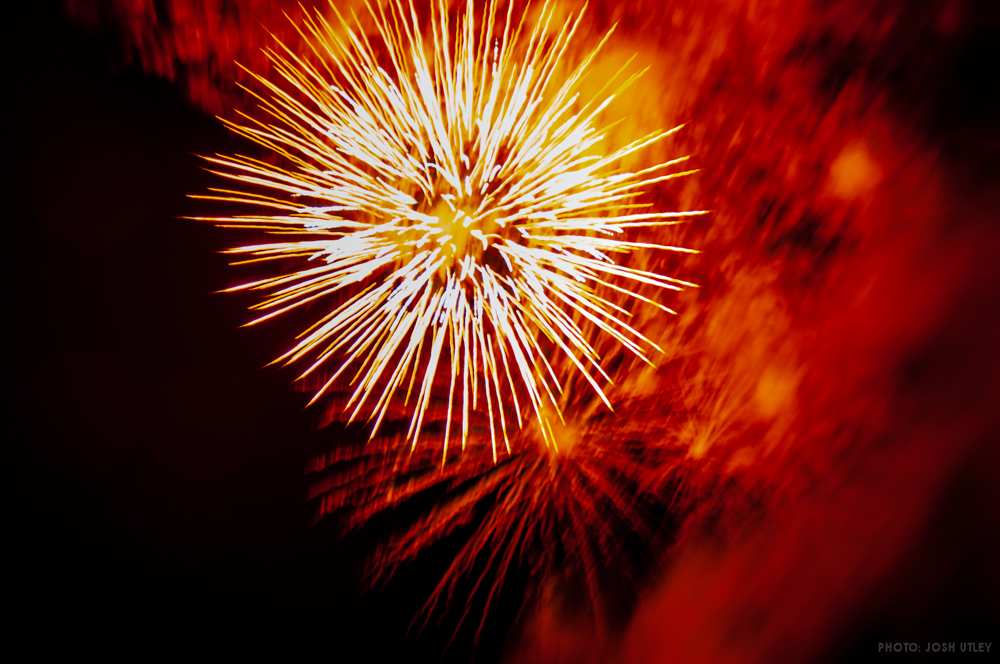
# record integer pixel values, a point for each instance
(460, 233)
(457, 231)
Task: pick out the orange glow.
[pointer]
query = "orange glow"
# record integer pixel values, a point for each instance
(854, 173)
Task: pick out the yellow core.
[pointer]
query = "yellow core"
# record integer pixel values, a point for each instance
(455, 229)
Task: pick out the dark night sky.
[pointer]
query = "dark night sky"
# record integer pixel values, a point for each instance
(159, 468)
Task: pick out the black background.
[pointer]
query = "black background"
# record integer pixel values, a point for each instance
(159, 469)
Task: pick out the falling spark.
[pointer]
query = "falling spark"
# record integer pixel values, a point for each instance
(563, 516)
(449, 195)
(576, 518)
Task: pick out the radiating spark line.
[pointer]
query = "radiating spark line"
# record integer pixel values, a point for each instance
(450, 195)
(552, 514)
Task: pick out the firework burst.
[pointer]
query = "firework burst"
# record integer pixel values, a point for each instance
(446, 194)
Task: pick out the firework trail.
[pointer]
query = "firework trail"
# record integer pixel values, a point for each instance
(561, 516)
(450, 196)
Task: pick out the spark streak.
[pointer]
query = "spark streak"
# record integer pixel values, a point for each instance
(555, 516)
(450, 195)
